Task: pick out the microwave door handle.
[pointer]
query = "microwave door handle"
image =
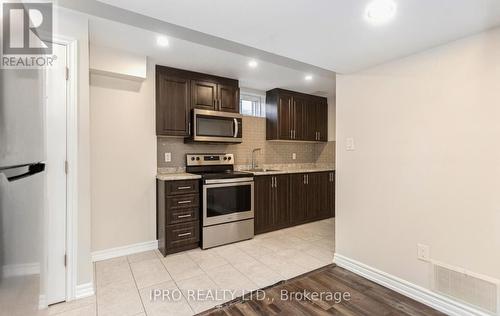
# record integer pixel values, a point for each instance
(235, 128)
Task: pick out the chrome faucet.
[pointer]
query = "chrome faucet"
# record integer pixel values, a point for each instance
(254, 162)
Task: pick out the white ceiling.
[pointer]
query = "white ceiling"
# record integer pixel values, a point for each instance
(330, 34)
(192, 56)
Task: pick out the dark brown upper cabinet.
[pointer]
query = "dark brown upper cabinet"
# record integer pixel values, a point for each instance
(204, 95)
(296, 116)
(228, 98)
(179, 91)
(172, 105)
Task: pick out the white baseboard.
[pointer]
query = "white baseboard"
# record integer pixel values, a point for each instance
(21, 269)
(84, 290)
(124, 250)
(418, 293)
(42, 302)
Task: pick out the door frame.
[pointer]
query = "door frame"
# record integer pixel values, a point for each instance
(72, 159)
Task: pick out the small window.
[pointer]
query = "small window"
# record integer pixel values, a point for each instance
(252, 105)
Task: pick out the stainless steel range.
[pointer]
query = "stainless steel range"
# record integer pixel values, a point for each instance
(227, 199)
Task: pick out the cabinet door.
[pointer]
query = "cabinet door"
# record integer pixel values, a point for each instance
(228, 98)
(310, 118)
(331, 193)
(285, 116)
(172, 105)
(322, 120)
(314, 195)
(263, 204)
(203, 95)
(300, 124)
(281, 211)
(323, 194)
(298, 199)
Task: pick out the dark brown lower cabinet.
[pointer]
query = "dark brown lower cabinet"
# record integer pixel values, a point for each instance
(289, 200)
(298, 198)
(178, 209)
(331, 193)
(271, 203)
(323, 193)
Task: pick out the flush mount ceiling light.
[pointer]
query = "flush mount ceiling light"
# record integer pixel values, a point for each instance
(308, 77)
(162, 41)
(253, 64)
(380, 11)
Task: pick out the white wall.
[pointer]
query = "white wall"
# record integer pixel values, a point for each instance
(123, 161)
(426, 168)
(75, 26)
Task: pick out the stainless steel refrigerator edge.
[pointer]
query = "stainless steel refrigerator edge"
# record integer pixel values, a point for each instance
(22, 192)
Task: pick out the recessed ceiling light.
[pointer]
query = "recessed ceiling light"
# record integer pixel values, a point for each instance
(162, 41)
(253, 64)
(380, 11)
(308, 77)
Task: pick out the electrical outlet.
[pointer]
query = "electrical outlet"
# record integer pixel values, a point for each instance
(423, 252)
(350, 146)
(168, 157)
(294, 156)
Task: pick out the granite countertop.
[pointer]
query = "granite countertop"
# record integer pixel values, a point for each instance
(177, 176)
(172, 174)
(292, 170)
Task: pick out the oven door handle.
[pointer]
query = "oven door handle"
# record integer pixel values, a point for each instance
(236, 128)
(237, 181)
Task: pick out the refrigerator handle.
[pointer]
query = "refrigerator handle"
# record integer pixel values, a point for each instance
(32, 169)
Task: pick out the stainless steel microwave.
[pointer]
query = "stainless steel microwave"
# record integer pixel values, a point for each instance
(216, 127)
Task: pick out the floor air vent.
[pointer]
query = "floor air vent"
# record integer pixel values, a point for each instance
(467, 287)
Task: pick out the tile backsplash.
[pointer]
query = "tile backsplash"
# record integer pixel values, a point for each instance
(254, 136)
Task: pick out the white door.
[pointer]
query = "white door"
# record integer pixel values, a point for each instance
(56, 175)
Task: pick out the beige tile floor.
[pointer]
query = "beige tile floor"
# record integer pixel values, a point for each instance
(127, 285)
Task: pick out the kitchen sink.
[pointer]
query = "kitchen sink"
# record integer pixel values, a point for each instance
(260, 170)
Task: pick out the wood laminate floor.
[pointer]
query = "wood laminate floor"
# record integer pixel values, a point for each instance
(366, 298)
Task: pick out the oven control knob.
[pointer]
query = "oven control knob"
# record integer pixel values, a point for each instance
(197, 158)
(229, 158)
(192, 158)
(225, 158)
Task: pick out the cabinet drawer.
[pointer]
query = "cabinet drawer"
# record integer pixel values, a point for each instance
(182, 187)
(182, 215)
(183, 201)
(180, 235)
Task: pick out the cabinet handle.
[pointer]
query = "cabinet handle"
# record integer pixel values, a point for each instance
(304, 179)
(291, 134)
(184, 216)
(183, 202)
(294, 134)
(307, 179)
(183, 235)
(275, 182)
(189, 128)
(183, 188)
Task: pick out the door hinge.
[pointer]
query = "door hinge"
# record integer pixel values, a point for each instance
(67, 73)
(66, 167)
